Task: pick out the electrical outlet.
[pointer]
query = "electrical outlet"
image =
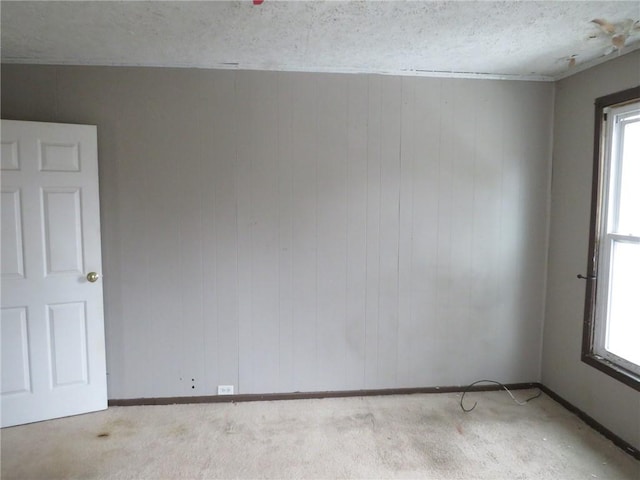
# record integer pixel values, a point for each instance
(225, 389)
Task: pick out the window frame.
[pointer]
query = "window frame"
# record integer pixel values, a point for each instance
(608, 364)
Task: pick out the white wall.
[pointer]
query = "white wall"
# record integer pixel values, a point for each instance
(300, 232)
(613, 404)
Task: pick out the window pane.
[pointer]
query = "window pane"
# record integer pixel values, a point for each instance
(623, 332)
(629, 213)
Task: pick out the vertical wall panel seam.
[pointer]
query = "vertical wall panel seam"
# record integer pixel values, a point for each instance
(366, 237)
(147, 295)
(279, 242)
(316, 205)
(252, 225)
(292, 245)
(474, 180)
(201, 156)
(502, 120)
(250, 243)
(521, 211)
(438, 285)
(380, 160)
(438, 207)
(400, 167)
(201, 247)
(412, 143)
(292, 197)
(346, 224)
(182, 316)
(450, 191)
(235, 194)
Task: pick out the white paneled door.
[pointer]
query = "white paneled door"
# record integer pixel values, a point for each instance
(52, 324)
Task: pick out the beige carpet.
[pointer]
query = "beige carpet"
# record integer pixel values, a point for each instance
(411, 436)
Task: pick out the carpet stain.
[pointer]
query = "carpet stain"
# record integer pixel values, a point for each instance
(122, 423)
(179, 431)
(366, 418)
(354, 423)
(459, 428)
(433, 419)
(230, 427)
(118, 427)
(440, 456)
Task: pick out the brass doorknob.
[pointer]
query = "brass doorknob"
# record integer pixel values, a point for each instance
(92, 276)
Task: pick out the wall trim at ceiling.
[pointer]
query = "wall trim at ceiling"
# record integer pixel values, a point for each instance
(580, 67)
(287, 68)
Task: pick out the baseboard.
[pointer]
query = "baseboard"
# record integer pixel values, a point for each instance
(255, 397)
(619, 442)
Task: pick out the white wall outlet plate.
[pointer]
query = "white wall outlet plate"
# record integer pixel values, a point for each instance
(225, 389)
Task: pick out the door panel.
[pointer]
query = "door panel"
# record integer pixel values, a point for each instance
(68, 343)
(62, 227)
(59, 157)
(16, 376)
(52, 326)
(12, 251)
(10, 155)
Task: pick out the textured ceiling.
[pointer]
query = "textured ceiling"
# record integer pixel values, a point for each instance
(527, 40)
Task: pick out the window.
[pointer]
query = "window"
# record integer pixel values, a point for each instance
(611, 340)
